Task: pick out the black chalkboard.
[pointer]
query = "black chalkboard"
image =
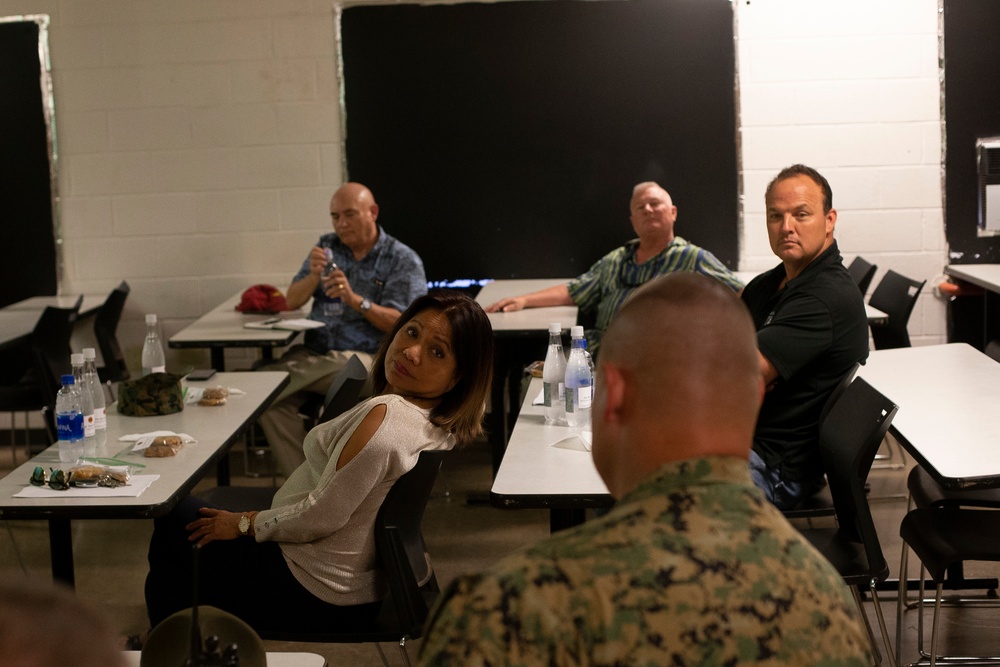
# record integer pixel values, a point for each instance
(502, 140)
(972, 109)
(28, 253)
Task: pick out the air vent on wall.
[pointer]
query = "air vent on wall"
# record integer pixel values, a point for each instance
(988, 163)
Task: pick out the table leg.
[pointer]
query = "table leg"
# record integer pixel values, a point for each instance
(267, 353)
(61, 550)
(562, 518)
(222, 471)
(218, 358)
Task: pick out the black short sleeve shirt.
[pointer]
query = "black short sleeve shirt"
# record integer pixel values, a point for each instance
(812, 331)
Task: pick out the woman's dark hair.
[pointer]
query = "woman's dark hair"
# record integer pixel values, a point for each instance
(461, 409)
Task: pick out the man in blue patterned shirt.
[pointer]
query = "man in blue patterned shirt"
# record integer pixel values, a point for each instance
(606, 284)
(360, 279)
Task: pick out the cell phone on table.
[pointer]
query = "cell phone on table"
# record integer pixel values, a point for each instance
(201, 374)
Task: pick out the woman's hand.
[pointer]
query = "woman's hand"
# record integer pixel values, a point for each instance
(216, 524)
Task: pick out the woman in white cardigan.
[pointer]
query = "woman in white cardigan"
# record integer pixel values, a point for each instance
(308, 563)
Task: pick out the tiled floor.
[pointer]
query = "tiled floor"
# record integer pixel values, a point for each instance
(111, 567)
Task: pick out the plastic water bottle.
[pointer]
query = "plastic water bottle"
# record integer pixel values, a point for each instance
(153, 360)
(69, 421)
(86, 403)
(553, 375)
(331, 307)
(92, 384)
(579, 385)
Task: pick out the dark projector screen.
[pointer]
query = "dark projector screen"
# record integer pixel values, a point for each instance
(502, 140)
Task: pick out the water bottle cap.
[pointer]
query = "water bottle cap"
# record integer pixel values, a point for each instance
(76, 359)
(151, 318)
(555, 327)
(89, 353)
(67, 379)
(576, 332)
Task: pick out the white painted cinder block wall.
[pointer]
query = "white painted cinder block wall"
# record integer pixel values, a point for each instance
(850, 88)
(199, 140)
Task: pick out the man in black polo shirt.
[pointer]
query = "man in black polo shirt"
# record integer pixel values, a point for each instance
(811, 329)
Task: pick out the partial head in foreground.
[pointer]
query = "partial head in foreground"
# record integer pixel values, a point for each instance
(678, 378)
(440, 350)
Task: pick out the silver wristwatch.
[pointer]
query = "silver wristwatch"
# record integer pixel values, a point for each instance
(244, 524)
(365, 306)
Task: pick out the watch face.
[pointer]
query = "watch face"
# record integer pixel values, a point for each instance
(244, 524)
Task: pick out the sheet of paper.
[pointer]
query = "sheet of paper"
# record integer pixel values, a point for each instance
(136, 485)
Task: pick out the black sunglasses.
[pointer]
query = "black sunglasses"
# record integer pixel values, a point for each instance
(57, 480)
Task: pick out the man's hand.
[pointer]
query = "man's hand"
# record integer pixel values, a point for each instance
(214, 525)
(336, 285)
(507, 305)
(317, 261)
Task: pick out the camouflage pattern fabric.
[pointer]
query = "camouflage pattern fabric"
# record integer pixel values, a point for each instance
(153, 394)
(694, 567)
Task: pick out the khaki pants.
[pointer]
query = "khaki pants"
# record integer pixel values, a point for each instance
(309, 373)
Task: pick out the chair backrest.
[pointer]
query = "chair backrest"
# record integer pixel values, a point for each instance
(106, 333)
(849, 438)
(895, 296)
(345, 390)
(862, 272)
(50, 342)
(400, 542)
(838, 391)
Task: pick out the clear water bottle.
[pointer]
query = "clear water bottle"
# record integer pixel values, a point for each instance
(153, 360)
(92, 384)
(86, 403)
(575, 333)
(331, 307)
(579, 385)
(553, 375)
(69, 421)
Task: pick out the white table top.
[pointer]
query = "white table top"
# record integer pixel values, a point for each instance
(529, 319)
(986, 276)
(223, 327)
(948, 398)
(214, 428)
(18, 320)
(274, 659)
(536, 474)
(90, 305)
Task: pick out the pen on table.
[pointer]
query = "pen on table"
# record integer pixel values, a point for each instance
(272, 320)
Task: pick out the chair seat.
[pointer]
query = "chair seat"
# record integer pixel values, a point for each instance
(927, 492)
(943, 536)
(847, 555)
(386, 628)
(817, 505)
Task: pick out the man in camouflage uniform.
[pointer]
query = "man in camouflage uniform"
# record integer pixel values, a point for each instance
(693, 566)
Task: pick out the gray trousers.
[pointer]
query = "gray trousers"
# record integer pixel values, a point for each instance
(309, 373)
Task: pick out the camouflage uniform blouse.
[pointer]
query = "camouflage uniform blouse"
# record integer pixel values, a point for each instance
(693, 567)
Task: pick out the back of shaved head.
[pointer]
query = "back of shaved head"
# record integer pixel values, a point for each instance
(687, 350)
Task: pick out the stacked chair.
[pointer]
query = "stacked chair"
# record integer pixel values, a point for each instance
(862, 271)
(48, 351)
(895, 296)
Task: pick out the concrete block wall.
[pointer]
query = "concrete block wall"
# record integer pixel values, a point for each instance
(199, 140)
(852, 89)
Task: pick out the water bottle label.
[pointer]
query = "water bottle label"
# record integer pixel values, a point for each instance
(547, 394)
(89, 426)
(100, 418)
(570, 402)
(69, 426)
(585, 396)
(333, 308)
(158, 369)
